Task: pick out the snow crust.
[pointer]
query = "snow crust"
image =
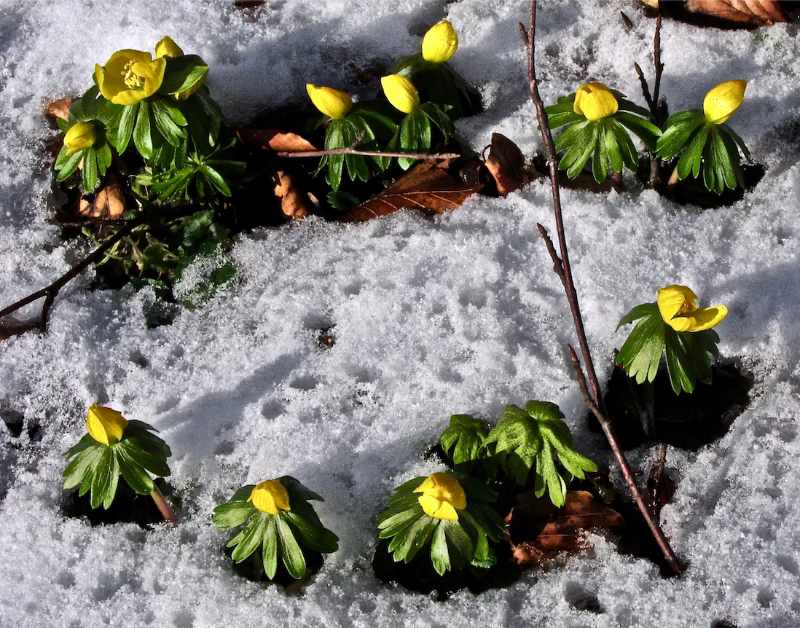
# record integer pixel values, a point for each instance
(461, 314)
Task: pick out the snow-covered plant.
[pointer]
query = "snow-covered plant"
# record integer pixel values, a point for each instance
(675, 327)
(600, 120)
(446, 514)
(707, 144)
(113, 446)
(346, 123)
(436, 80)
(414, 132)
(524, 438)
(277, 518)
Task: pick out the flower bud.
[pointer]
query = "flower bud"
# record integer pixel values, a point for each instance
(401, 93)
(270, 496)
(105, 425)
(441, 497)
(679, 310)
(80, 136)
(722, 101)
(595, 101)
(440, 42)
(168, 48)
(330, 101)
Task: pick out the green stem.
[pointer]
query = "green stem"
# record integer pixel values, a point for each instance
(163, 506)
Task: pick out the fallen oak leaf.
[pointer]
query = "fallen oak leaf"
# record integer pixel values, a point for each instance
(427, 187)
(506, 164)
(539, 533)
(273, 139)
(294, 204)
(755, 12)
(108, 202)
(58, 109)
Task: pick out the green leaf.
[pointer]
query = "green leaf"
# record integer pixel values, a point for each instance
(679, 128)
(142, 138)
(600, 161)
(578, 154)
(576, 133)
(312, 535)
(459, 539)
(270, 548)
(726, 130)
(122, 134)
(84, 443)
(610, 146)
(248, 540)
(139, 451)
(440, 555)
(90, 179)
(70, 165)
(465, 437)
(105, 479)
(681, 375)
(233, 514)
(164, 123)
(82, 465)
(391, 526)
(641, 353)
(134, 475)
(182, 73)
(420, 539)
(640, 311)
(629, 155)
(216, 180)
(291, 553)
(692, 157)
(644, 130)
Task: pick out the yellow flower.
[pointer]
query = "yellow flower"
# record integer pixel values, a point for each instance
(595, 101)
(82, 135)
(130, 76)
(723, 101)
(168, 48)
(440, 42)
(679, 310)
(270, 496)
(401, 93)
(330, 101)
(441, 497)
(105, 425)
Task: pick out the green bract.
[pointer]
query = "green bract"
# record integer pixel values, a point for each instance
(414, 134)
(465, 437)
(606, 141)
(96, 466)
(283, 535)
(533, 435)
(712, 148)
(452, 544)
(687, 353)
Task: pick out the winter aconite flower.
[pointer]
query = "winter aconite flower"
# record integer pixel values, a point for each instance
(401, 93)
(679, 310)
(270, 496)
(130, 76)
(723, 101)
(441, 497)
(330, 101)
(105, 425)
(595, 101)
(168, 48)
(80, 136)
(440, 43)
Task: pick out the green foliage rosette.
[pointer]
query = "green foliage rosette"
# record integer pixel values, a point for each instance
(277, 518)
(446, 514)
(464, 442)
(674, 327)
(705, 142)
(529, 440)
(114, 446)
(600, 122)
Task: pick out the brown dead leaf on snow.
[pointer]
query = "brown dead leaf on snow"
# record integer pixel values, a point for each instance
(57, 109)
(294, 204)
(108, 203)
(507, 165)
(427, 187)
(756, 12)
(539, 532)
(273, 139)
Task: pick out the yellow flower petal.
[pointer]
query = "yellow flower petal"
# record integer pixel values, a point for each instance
(441, 497)
(130, 76)
(723, 101)
(440, 42)
(401, 93)
(595, 101)
(679, 310)
(105, 425)
(81, 135)
(330, 101)
(168, 48)
(270, 496)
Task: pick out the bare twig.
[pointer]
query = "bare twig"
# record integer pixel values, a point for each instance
(656, 108)
(562, 267)
(351, 150)
(163, 506)
(87, 222)
(658, 479)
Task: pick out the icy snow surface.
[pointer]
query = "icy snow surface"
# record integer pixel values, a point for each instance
(461, 314)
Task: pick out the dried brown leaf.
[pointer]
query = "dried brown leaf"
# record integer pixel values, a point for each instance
(427, 187)
(108, 203)
(294, 204)
(539, 532)
(57, 109)
(506, 164)
(754, 12)
(273, 139)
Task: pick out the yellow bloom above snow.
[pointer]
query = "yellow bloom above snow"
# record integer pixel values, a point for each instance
(81, 136)
(401, 93)
(330, 101)
(105, 425)
(130, 76)
(441, 497)
(595, 101)
(679, 310)
(723, 101)
(270, 496)
(440, 42)
(168, 48)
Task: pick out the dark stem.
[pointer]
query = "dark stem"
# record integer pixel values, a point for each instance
(658, 481)
(656, 110)
(594, 399)
(163, 506)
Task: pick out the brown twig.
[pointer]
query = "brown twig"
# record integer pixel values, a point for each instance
(351, 150)
(87, 222)
(658, 478)
(164, 506)
(562, 267)
(656, 108)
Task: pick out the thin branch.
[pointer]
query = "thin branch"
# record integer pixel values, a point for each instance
(656, 108)
(658, 480)
(366, 153)
(87, 222)
(594, 399)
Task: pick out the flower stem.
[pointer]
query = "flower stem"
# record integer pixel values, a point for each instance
(163, 506)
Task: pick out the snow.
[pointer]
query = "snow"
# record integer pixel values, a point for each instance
(460, 314)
